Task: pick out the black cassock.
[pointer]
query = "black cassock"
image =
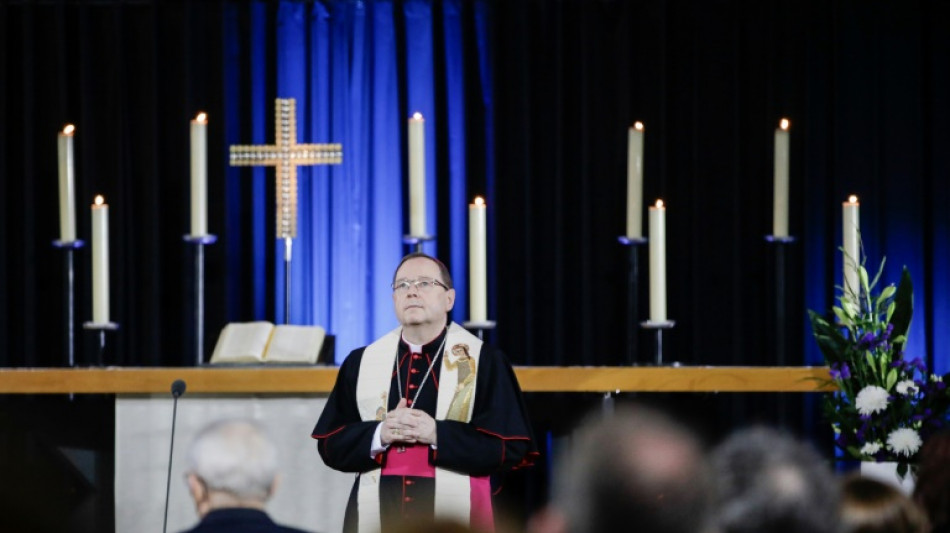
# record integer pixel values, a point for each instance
(497, 438)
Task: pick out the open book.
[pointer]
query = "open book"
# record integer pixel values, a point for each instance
(263, 342)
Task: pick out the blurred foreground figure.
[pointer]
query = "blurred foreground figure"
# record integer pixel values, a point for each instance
(872, 506)
(768, 481)
(632, 470)
(932, 488)
(232, 472)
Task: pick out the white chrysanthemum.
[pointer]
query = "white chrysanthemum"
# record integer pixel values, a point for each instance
(872, 399)
(870, 448)
(935, 378)
(904, 441)
(906, 387)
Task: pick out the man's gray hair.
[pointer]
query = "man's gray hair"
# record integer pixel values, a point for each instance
(768, 480)
(234, 456)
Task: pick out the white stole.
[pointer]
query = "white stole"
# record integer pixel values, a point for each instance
(452, 490)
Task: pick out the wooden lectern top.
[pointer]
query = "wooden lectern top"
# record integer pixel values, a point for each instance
(320, 379)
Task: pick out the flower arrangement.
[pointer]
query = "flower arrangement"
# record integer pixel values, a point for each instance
(885, 406)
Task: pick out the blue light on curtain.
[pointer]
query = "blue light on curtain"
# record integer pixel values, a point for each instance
(458, 203)
(340, 61)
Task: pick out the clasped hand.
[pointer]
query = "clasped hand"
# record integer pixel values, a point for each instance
(406, 425)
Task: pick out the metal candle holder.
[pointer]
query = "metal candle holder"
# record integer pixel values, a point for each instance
(199, 242)
(781, 359)
(69, 247)
(633, 283)
(657, 327)
(102, 328)
(479, 327)
(415, 241)
(780, 298)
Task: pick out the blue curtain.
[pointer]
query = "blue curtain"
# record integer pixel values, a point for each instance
(357, 71)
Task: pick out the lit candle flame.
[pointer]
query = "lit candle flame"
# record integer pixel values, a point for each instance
(69, 129)
(202, 117)
(784, 124)
(659, 204)
(417, 116)
(853, 199)
(479, 200)
(100, 200)
(638, 126)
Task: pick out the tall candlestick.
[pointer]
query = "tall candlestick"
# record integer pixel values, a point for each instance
(657, 230)
(199, 175)
(477, 261)
(635, 181)
(850, 229)
(417, 176)
(67, 192)
(100, 261)
(780, 193)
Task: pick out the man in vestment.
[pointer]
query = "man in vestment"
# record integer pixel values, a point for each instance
(424, 415)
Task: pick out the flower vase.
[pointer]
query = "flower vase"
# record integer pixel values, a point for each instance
(886, 471)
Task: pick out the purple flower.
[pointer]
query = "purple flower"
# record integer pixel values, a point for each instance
(840, 371)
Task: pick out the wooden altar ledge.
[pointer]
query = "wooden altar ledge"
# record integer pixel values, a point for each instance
(297, 380)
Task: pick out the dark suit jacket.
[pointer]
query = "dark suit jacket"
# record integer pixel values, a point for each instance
(240, 521)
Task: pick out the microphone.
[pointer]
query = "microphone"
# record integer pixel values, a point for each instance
(178, 388)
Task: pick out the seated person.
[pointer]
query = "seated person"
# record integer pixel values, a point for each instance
(232, 472)
(872, 506)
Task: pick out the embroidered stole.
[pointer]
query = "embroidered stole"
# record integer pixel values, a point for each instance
(455, 400)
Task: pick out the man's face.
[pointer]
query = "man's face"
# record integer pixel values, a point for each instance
(417, 306)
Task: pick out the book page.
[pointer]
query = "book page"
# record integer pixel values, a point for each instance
(295, 344)
(242, 342)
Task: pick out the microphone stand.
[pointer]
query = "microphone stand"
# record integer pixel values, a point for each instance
(178, 388)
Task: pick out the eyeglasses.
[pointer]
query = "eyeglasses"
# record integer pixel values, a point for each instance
(421, 284)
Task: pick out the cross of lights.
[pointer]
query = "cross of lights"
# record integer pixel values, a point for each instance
(286, 155)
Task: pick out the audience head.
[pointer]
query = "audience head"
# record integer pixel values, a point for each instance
(769, 481)
(633, 466)
(932, 487)
(231, 464)
(872, 506)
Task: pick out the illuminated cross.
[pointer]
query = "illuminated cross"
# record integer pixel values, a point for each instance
(286, 155)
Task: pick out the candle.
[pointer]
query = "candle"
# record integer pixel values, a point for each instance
(477, 271)
(635, 181)
(100, 261)
(851, 227)
(780, 193)
(199, 175)
(417, 176)
(657, 230)
(67, 193)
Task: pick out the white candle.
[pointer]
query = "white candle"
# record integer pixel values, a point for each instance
(417, 176)
(657, 262)
(780, 193)
(478, 305)
(100, 261)
(199, 175)
(635, 181)
(67, 185)
(850, 228)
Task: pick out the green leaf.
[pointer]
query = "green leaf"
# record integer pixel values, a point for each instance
(891, 379)
(843, 317)
(904, 301)
(886, 293)
(880, 270)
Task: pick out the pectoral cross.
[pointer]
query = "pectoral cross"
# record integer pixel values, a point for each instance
(286, 155)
